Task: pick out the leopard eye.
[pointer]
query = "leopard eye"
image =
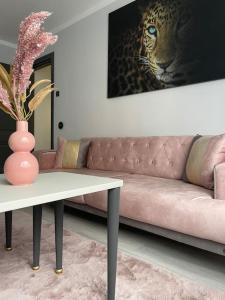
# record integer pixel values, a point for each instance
(152, 30)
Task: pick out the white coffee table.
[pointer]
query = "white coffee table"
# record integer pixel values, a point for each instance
(54, 187)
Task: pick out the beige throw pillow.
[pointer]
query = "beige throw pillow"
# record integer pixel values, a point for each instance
(205, 154)
(71, 154)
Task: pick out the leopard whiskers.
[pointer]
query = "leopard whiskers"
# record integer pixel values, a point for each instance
(153, 67)
(147, 66)
(143, 60)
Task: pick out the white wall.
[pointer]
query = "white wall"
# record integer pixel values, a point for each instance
(81, 76)
(6, 54)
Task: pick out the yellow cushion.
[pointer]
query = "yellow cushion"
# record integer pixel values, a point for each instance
(70, 155)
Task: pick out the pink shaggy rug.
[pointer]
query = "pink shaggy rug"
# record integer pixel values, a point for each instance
(84, 275)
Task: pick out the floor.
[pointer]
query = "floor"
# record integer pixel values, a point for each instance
(193, 263)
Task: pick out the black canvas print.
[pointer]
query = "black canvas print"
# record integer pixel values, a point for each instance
(158, 44)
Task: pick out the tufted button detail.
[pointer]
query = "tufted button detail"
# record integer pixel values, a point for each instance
(151, 154)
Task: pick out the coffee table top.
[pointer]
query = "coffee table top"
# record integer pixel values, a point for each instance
(51, 187)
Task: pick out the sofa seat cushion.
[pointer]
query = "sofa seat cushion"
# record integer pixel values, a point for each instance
(101, 173)
(85, 171)
(170, 204)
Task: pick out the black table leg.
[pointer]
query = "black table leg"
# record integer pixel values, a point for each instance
(37, 220)
(113, 227)
(59, 211)
(8, 230)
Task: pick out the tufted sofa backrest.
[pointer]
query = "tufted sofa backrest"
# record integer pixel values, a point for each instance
(159, 156)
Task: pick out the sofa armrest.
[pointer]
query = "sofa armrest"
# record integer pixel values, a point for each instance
(219, 181)
(46, 159)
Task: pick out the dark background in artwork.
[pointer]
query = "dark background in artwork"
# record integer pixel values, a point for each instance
(122, 19)
(208, 39)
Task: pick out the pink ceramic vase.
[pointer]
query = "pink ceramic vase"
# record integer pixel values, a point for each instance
(21, 167)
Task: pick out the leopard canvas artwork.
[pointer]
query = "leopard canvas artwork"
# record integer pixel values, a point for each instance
(158, 44)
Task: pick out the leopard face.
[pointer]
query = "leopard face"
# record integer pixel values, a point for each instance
(162, 49)
(166, 32)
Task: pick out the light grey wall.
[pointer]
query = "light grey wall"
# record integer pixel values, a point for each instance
(6, 54)
(81, 76)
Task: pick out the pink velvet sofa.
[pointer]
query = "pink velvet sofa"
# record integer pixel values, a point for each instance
(154, 197)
